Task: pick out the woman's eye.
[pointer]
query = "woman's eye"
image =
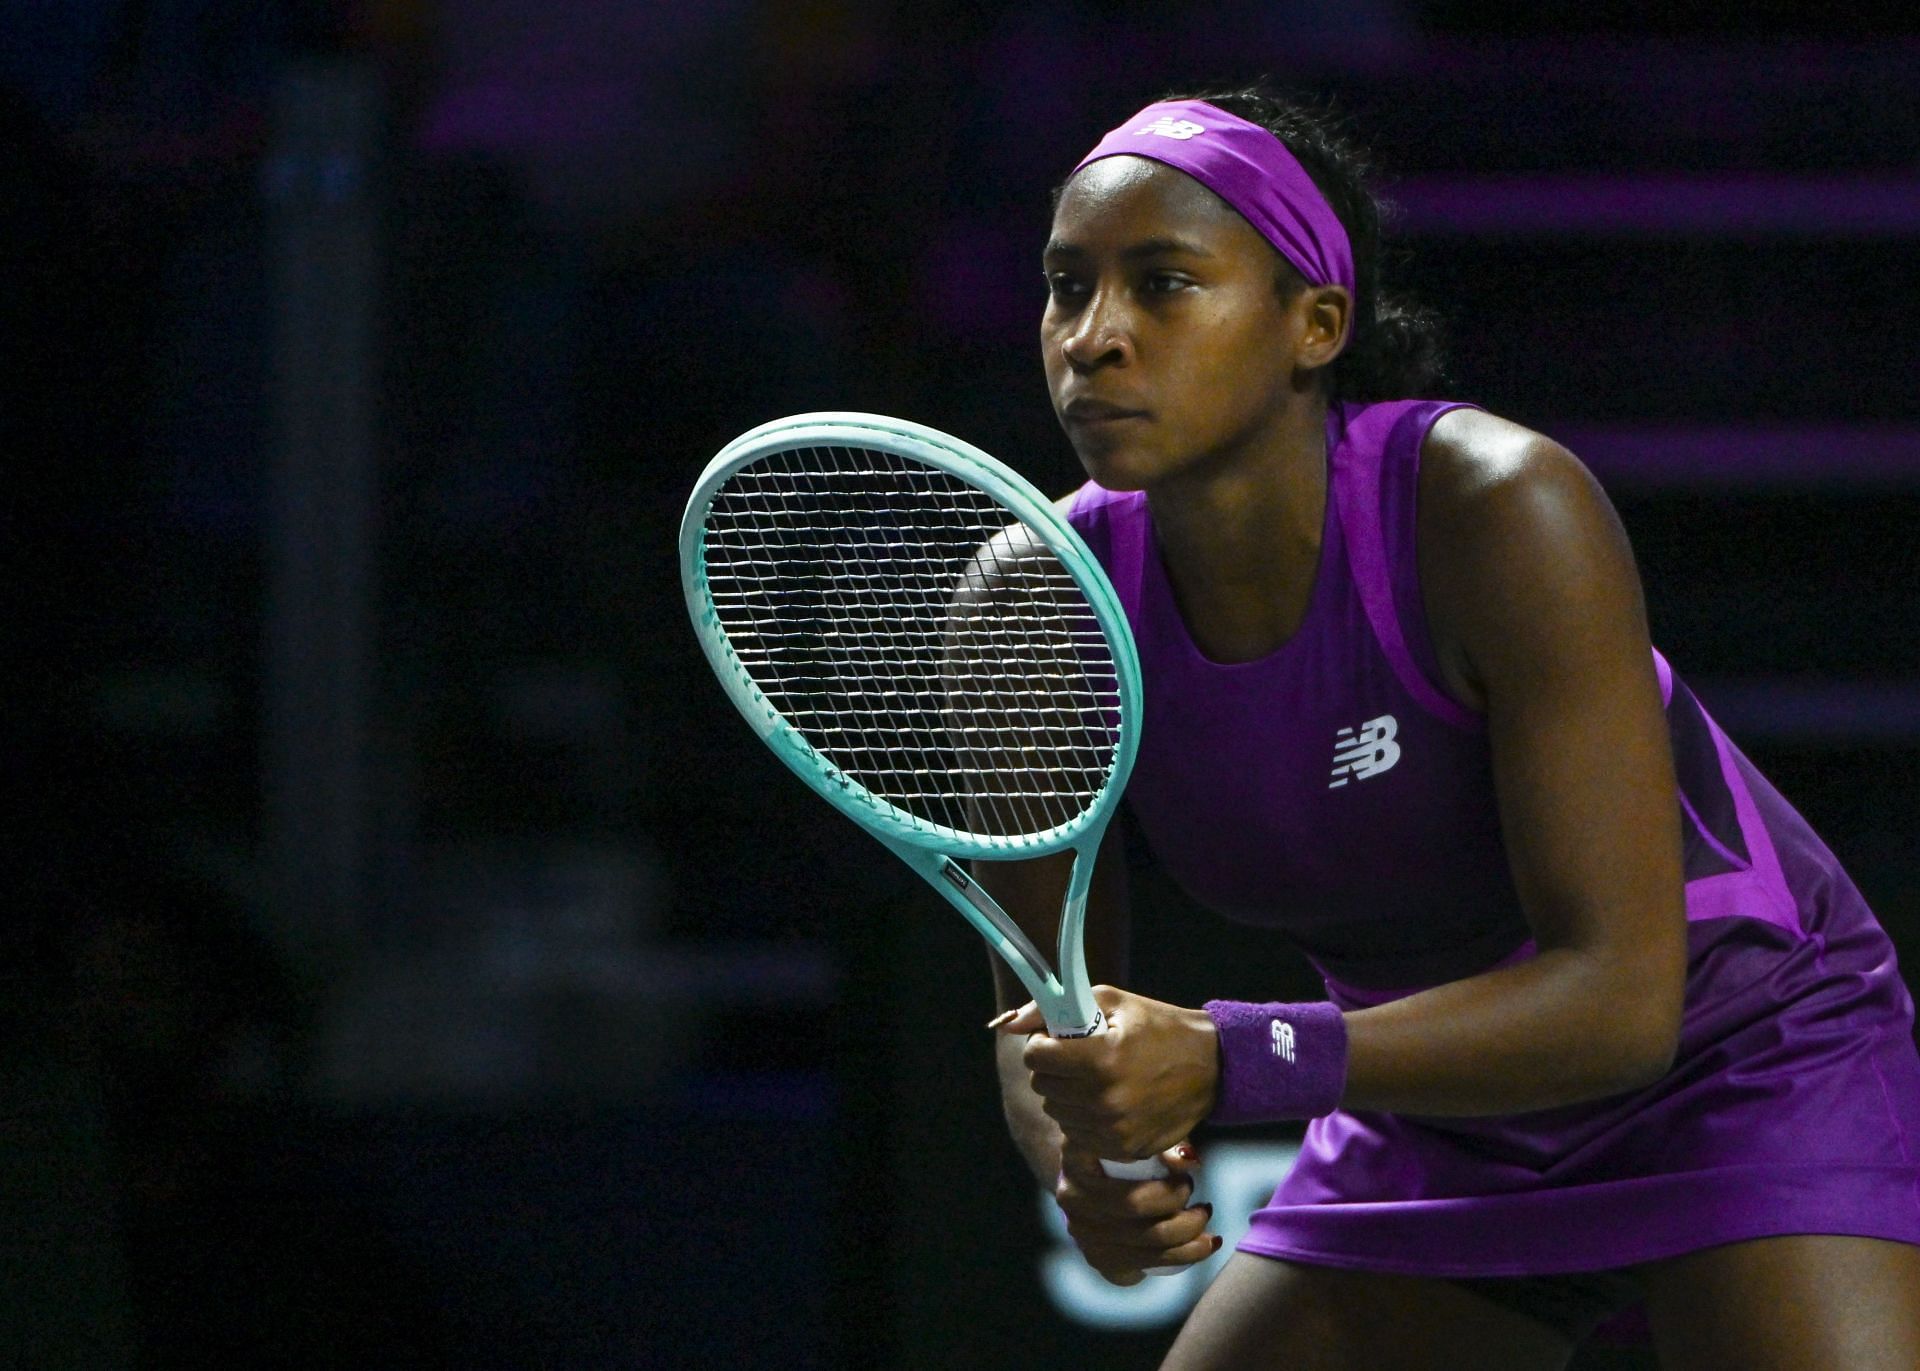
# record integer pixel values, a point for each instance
(1063, 287)
(1165, 283)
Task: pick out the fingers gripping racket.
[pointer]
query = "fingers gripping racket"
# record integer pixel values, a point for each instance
(923, 639)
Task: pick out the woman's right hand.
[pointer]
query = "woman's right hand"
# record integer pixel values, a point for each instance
(1125, 1227)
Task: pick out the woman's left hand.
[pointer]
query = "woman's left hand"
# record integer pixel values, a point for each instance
(1132, 1091)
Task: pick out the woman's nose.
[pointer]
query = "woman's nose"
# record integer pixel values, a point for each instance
(1098, 335)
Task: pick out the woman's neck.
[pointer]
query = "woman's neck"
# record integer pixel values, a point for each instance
(1240, 540)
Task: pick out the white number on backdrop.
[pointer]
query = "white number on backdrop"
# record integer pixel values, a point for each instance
(1237, 1176)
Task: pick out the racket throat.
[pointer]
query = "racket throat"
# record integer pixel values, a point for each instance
(989, 909)
(1057, 1002)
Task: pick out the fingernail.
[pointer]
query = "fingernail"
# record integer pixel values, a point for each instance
(1186, 1154)
(1217, 1240)
(999, 1020)
(1208, 1206)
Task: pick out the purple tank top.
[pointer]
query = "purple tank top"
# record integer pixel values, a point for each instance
(1331, 789)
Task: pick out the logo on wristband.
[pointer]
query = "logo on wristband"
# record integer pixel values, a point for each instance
(1282, 1039)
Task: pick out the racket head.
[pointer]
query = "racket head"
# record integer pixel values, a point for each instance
(1034, 528)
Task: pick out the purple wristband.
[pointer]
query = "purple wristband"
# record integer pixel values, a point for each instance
(1278, 1061)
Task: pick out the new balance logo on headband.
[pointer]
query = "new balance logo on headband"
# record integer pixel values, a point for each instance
(1368, 752)
(1169, 127)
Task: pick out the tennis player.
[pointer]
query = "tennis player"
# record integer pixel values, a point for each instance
(1606, 1024)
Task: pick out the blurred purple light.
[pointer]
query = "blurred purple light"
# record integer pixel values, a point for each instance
(1804, 710)
(1737, 204)
(1809, 454)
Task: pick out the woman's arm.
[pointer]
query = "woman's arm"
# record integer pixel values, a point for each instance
(1537, 619)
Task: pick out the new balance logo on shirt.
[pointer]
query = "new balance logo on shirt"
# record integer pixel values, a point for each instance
(1366, 752)
(1169, 127)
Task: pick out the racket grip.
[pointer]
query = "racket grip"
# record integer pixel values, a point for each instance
(1146, 1169)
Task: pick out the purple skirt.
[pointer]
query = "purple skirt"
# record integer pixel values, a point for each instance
(1792, 1107)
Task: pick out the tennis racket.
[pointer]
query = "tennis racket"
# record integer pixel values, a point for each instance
(922, 638)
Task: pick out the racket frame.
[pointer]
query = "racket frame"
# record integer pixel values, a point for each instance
(1059, 987)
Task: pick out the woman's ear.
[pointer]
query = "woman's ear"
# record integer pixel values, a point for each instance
(1328, 320)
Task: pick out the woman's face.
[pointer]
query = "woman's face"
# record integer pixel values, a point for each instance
(1168, 347)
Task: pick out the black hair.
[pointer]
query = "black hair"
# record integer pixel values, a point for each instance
(1394, 351)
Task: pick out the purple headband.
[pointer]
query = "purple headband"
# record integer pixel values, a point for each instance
(1251, 170)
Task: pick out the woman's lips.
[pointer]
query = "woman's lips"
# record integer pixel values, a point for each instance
(1094, 412)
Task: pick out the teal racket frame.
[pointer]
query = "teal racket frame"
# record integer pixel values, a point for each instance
(1059, 985)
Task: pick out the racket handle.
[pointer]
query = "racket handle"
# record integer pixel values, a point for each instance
(1146, 1169)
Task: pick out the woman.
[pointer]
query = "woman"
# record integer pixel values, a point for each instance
(1605, 1021)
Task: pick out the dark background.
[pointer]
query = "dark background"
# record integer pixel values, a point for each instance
(411, 959)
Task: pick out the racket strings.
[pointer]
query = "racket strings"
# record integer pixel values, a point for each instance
(932, 649)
